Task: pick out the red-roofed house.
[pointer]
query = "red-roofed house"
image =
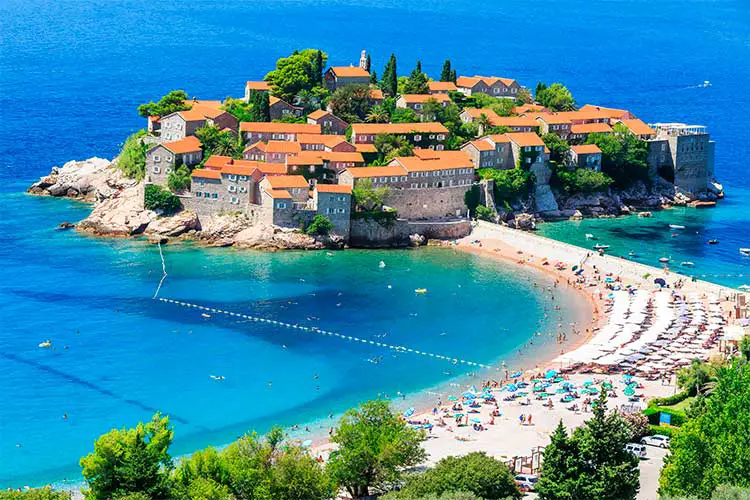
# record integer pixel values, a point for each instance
(441, 87)
(181, 124)
(340, 76)
(639, 129)
(580, 132)
(491, 151)
(279, 108)
(267, 131)
(586, 156)
(490, 85)
(416, 102)
(328, 122)
(430, 135)
(259, 86)
(164, 158)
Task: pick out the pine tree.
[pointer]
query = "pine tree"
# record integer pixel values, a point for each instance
(559, 467)
(445, 74)
(389, 83)
(367, 63)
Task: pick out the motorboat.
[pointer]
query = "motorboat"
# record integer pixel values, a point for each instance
(713, 242)
(420, 291)
(745, 251)
(601, 247)
(590, 236)
(381, 265)
(46, 344)
(676, 226)
(664, 260)
(687, 263)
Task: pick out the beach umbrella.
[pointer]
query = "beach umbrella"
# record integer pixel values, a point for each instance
(576, 267)
(408, 413)
(628, 391)
(469, 395)
(550, 374)
(660, 282)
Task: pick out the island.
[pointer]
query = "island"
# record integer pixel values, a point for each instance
(312, 157)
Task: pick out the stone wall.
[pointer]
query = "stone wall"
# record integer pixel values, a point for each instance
(370, 234)
(428, 203)
(691, 154)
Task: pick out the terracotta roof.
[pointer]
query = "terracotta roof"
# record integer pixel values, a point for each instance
(325, 139)
(306, 158)
(552, 118)
(275, 100)
(260, 145)
(189, 144)
(503, 138)
(638, 127)
(482, 145)
(524, 139)
(585, 149)
(287, 181)
(206, 174)
(280, 128)
(422, 98)
(526, 108)
(470, 81)
(154, 119)
(283, 147)
(441, 86)
(192, 115)
(610, 112)
(271, 168)
(333, 188)
(515, 121)
(583, 114)
(399, 128)
(431, 154)
(590, 128)
(349, 71)
(343, 156)
(215, 162)
(261, 85)
(475, 113)
(246, 168)
(365, 148)
(377, 94)
(414, 164)
(278, 193)
(366, 172)
(318, 114)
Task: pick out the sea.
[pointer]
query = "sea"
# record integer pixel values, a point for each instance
(71, 75)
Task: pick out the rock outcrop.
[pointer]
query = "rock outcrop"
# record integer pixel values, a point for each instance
(88, 180)
(122, 214)
(525, 222)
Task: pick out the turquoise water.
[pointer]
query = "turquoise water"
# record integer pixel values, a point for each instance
(118, 355)
(72, 73)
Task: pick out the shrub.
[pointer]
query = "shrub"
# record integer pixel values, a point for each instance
(670, 400)
(132, 158)
(158, 198)
(664, 430)
(509, 184)
(637, 424)
(179, 179)
(580, 180)
(46, 493)
(471, 198)
(485, 213)
(320, 225)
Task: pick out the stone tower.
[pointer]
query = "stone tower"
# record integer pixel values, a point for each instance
(363, 60)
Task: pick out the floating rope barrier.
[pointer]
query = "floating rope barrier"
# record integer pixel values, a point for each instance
(164, 272)
(350, 338)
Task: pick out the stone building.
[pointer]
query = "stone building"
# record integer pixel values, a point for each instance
(416, 102)
(514, 123)
(490, 85)
(324, 142)
(684, 153)
(335, 202)
(553, 123)
(423, 134)
(580, 132)
(253, 132)
(255, 86)
(279, 108)
(162, 159)
(337, 77)
(491, 151)
(181, 124)
(328, 122)
(586, 156)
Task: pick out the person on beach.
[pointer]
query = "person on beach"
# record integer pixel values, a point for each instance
(521, 419)
(528, 419)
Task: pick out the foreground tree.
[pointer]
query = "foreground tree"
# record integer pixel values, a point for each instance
(556, 97)
(417, 82)
(375, 445)
(697, 378)
(624, 156)
(45, 493)
(169, 103)
(132, 158)
(713, 448)
(129, 461)
(389, 81)
(592, 464)
(219, 142)
(389, 146)
(297, 72)
(476, 473)
(446, 73)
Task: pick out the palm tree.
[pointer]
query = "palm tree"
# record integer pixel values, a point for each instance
(483, 123)
(377, 114)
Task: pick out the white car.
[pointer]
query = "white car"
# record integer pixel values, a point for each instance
(656, 440)
(636, 449)
(526, 482)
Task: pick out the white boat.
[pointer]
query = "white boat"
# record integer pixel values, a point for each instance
(590, 236)
(45, 344)
(664, 259)
(601, 247)
(382, 264)
(687, 263)
(745, 251)
(676, 226)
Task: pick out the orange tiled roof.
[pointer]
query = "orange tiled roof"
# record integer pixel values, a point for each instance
(475, 113)
(552, 118)
(343, 156)
(279, 128)
(325, 139)
(482, 145)
(365, 148)
(638, 127)
(470, 81)
(585, 149)
(258, 85)
(610, 112)
(333, 188)
(306, 158)
(515, 121)
(260, 145)
(206, 174)
(377, 94)
(366, 172)
(399, 128)
(499, 137)
(271, 168)
(415, 164)
(283, 147)
(526, 108)
(583, 114)
(524, 139)
(590, 128)
(431, 154)
(215, 162)
(441, 86)
(278, 193)
(349, 71)
(287, 181)
(318, 114)
(189, 144)
(240, 167)
(422, 98)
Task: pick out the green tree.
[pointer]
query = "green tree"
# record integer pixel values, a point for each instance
(377, 114)
(453, 75)
(240, 109)
(624, 156)
(258, 109)
(472, 198)
(374, 446)
(477, 473)
(452, 495)
(318, 68)
(296, 72)
(311, 100)
(433, 111)
(744, 347)
(485, 213)
(158, 198)
(373, 77)
(390, 146)
(592, 464)
(219, 142)
(368, 63)
(712, 449)
(368, 198)
(169, 103)
(389, 82)
(556, 97)
(132, 158)
(580, 180)
(131, 460)
(510, 184)
(45, 493)
(404, 115)
(558, 147)
(524, 97)
(445, 74)
(483, 123)
(696, 377)
(351, 103)
(417, 82)
(320, 225)
(179, 179)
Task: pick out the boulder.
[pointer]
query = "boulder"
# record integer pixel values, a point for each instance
(66, 225)
(416, 240)
(576, 215)
(88, 180)
(174, 225)
(121, 215)
(644, 215)
(525, 222)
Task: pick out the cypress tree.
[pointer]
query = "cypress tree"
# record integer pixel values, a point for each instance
(453, 76)
(418, 68)
(374, 77)
(264, 111)
(445, 74)
(367, 63)
(389, 83)
(318, 77)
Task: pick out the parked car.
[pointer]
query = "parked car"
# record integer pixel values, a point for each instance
(639, 450)
(526, 482)
(656, 440)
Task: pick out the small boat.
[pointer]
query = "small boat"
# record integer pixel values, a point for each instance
(713, 242)
(217, 377)
(664, 259)
(590, 236)
(420, 290)
(45, 344)
(676, 226)
(745, 251)
(632, 253)
(705, 84)
(381, 265)
(205, 315)
(601, 247)
(687, 263)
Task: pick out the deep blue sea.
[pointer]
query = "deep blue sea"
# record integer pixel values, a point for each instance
(72, 73)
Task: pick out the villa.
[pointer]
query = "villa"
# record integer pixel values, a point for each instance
(162, 159)
(181, 124)
(260, 86)
(586, 156)
(328, 122)
(441, 87)
(423, 134)
(278, 109)
(416, 102)
(490, 85)
(337, 77)
(275, 131)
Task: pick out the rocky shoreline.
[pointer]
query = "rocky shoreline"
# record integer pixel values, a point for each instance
(118, 212)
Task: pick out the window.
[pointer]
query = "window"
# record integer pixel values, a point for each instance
(441, 137)
(215, 196)
(329, 210)
(280, 204)
(417, 137)
(341, 198)
(232, 177)
(198, 194)
(528, 160)
(414, 185)
(169, 158)
(404, 178)
(394, 179)
(157, 158)
(168, 170)
(417, 106)
(439, 147)
(157, 170)
(243, 189)
(234, 200)
(243, 177)
(384, 179)
(206, 194)
(232, 188)
(341, 210)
